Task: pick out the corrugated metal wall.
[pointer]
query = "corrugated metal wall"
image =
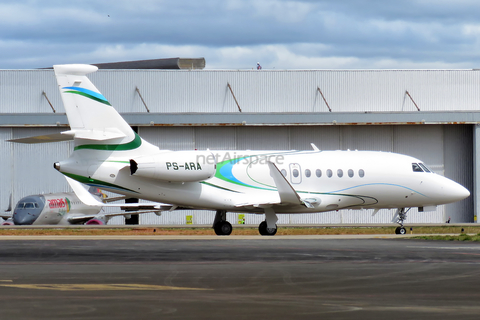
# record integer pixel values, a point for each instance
(28, 168)
(167, 91)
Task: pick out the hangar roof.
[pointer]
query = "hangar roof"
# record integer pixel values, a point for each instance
(371, 95)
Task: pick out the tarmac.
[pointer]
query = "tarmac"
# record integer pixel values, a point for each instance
(238, 277)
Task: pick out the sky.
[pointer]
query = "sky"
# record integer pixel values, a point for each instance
(236, 34)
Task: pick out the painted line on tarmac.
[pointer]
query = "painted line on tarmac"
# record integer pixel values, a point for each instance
(98, 287)
(447, 248)
(209, 237)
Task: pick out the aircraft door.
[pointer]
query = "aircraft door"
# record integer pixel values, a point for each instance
(295, 173)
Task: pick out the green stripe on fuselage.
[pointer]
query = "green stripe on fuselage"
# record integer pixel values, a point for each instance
(90, 181)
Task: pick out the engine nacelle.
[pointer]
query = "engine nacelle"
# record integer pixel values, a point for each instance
(95, 222)
(176, 166)
(8, 222)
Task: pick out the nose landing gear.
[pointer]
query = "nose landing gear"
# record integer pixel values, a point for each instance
(402, 216)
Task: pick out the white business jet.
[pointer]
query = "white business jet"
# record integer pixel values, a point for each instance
(109, 155)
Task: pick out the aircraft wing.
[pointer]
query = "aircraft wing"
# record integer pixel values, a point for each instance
(288, 195)
(82, 219)
(5, 215)
(88, 199)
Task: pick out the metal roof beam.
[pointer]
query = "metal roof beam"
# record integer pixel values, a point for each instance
(256, 119)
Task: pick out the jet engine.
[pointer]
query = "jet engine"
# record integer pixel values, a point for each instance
(175, 166)
(95, 222)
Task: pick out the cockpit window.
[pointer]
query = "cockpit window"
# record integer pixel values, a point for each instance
(416, 167)
(27, 205)
(424, 167)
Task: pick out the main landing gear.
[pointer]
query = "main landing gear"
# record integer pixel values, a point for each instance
(223, 228)
(269, 226)
(266, 231)
(402, 216)
(220, 225)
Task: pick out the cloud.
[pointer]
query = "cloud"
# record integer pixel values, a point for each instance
(236, 33)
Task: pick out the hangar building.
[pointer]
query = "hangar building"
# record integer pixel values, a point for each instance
(429, 114)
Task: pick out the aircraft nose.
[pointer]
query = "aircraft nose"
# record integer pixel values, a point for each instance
(455, 192)
(462, 192)
(23, 218)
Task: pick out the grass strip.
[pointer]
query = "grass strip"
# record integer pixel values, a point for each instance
(460, 237)
(248, 231)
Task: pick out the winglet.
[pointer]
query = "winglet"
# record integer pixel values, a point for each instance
(287, 194)
(314, 147)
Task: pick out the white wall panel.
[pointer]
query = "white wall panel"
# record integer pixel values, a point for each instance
(261, 138)
(6, 161)
(174, 91)
(446, 149)
(422, 142)
(32, 169)
(376, 138)
(169, 138)
(215, 138)
(324, 137)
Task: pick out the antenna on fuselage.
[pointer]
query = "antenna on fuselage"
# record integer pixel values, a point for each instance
(314, 147)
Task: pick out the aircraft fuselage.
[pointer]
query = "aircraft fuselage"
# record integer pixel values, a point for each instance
(330, 180)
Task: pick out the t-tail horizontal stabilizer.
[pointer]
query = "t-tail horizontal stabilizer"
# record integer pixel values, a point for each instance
(287, 194)
(55, 137)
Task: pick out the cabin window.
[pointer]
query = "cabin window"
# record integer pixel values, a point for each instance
(424, 167)
(295, 173)
(308, 173)
(284, 172)
(350, 173)
(329, 173)
(340, 173)
(361, 173)
(416, 167)
(318, 173)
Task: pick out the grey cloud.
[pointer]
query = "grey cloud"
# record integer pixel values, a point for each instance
(421, 30)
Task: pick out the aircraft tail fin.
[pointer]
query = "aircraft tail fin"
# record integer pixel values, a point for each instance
(94, 123)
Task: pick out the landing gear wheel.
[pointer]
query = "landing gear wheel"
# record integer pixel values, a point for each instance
(400, 230)
(223, 228)
(264, 231)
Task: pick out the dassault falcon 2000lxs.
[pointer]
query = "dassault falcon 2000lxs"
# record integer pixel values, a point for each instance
(108, 154)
